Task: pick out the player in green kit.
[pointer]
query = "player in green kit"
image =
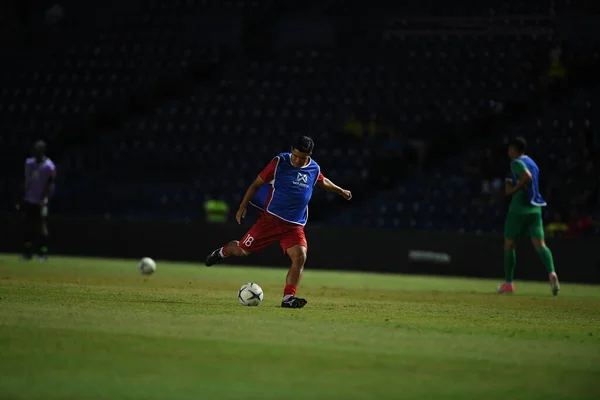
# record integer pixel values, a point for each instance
(524, 215)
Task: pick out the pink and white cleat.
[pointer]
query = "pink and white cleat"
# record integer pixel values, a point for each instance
(506, 288)
(554, 283)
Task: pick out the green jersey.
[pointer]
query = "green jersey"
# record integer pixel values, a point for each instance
(527, 200)
(525, 210)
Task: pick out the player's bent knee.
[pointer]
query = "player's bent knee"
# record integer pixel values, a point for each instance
(241, 252)
(538, 243)
(297, 254)
(234, 249)
(299, 259)
(509, 244)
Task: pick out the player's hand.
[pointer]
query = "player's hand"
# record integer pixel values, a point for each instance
(241, 214)
(346, 194)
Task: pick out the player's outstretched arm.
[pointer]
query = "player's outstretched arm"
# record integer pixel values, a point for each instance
(252, 189)
(332, 187)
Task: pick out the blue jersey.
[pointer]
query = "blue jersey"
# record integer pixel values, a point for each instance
(262, 196)
(287, 195)
(533, 188)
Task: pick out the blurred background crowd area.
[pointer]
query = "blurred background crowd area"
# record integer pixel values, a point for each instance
(169, 108)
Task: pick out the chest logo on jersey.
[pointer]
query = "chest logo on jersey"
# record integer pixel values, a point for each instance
(301, 180)
(302, 177)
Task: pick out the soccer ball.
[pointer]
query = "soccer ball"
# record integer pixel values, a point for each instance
(250, 294)
(147, 266)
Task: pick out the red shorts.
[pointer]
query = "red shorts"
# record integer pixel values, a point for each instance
(269, 229)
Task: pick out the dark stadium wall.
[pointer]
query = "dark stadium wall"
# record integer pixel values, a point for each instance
(374, 250)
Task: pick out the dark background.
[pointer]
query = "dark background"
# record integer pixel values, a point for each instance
(151, 108)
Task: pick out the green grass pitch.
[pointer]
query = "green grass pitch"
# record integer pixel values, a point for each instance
(96, 329)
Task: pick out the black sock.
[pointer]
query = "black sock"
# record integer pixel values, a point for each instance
(43, 245)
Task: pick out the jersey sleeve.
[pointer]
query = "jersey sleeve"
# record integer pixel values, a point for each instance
(51, 172)
(268, 173)
(517, 167)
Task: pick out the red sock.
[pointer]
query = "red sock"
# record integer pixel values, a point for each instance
(224, 251)
(290, 290)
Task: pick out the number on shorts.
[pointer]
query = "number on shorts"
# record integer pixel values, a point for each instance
(248, 241)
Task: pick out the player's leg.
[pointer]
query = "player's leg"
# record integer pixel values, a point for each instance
(230, 249)
(536, 233)
(297, 255)
(294, 245)
(30, 221)
(258, 237)
(512, 228)
(43, 230)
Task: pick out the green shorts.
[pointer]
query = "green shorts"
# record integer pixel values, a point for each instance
(529, 224)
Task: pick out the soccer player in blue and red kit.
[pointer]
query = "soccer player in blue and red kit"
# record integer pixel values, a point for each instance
(282, 191)
(40, 173)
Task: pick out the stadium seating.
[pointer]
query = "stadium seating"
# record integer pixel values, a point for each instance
(456, 8)
(259, 106)
(562, 140)
(164, 163)
(122, 53)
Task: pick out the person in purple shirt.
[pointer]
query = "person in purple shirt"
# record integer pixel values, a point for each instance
(40, 174)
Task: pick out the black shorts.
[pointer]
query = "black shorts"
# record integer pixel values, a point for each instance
(34, 212)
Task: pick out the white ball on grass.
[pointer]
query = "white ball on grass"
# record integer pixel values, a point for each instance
(250, 294)
(147, 266)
